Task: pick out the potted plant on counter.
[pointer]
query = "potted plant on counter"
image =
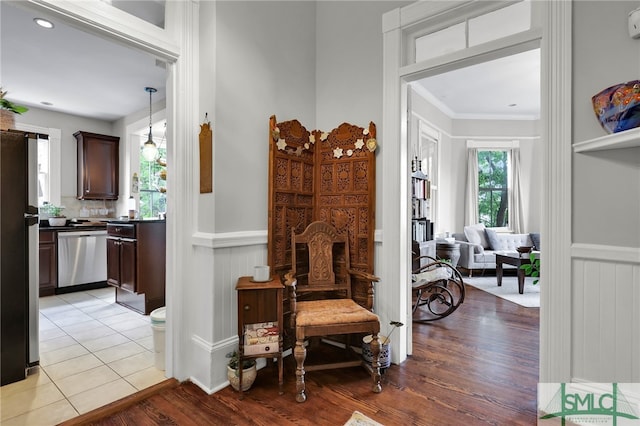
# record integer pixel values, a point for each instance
(54, 213)
(249, 371)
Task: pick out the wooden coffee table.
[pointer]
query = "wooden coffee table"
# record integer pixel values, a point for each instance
(515, 260)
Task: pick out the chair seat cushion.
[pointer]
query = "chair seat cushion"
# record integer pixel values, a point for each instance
(435, 274)
(332, 311)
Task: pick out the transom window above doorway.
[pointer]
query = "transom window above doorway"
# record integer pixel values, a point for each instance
(474, 31)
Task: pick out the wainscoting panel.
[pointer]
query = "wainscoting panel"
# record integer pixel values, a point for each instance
(228, 265)
(606, 315)
(219, 259)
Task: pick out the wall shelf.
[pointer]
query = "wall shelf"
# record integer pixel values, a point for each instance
(627, 139)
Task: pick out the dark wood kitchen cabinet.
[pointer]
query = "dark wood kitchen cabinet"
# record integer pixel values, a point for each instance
(121, 258)
(136, 263)
(47, 252)
(98, 159)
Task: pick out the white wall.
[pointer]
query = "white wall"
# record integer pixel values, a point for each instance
(605, 341)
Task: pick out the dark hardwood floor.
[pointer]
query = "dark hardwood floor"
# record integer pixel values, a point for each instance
(478, 366)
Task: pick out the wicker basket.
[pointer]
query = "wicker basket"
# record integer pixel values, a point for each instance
(7, 119)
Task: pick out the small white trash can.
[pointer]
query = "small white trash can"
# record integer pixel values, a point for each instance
(158, 321)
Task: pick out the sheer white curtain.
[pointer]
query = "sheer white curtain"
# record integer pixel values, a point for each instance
(516, 220)
(471, 205)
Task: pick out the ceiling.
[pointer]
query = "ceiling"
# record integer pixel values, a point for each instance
(505, 88)
(77, 72)
(82, 74)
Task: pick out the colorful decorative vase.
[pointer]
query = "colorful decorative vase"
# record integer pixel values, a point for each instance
(618, 107)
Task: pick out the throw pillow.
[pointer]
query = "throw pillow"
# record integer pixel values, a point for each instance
(494, 241)
(535, 238)
(475, 235)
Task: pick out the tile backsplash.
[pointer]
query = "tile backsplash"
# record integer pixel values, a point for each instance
(74, 208)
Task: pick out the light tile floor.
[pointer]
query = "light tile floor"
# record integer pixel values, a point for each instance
(92, 352)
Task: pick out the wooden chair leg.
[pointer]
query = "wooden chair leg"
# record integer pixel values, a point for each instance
(375, 364)
(300, 353)
(418, 297)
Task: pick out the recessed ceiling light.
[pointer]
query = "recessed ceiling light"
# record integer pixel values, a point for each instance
(46, 103)
(43, 23)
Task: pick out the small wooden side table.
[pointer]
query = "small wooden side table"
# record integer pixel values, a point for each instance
(260, 309)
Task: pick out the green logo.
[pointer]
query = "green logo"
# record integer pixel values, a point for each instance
(570, 403)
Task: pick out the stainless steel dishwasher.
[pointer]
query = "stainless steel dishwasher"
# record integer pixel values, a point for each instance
(82, 257)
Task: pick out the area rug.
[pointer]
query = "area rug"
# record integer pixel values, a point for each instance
(509, 289)
(359, 419)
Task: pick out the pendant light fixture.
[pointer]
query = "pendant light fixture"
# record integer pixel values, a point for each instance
(150, 149)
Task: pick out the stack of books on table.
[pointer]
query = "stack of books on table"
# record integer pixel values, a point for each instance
(261, 338)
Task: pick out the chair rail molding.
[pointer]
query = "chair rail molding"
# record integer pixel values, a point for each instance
(606, 253)
(229, 239)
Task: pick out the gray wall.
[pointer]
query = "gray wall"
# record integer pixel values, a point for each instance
(349, 70)
(349, 62)
(265, 65)
(317, 62)
(606, 184)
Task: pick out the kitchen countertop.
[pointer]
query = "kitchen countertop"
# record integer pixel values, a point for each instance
(75, 225)
(137, 221)
(92, 226)
(74, 228)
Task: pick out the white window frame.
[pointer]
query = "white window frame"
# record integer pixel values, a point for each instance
(55, 168)
(499, 146)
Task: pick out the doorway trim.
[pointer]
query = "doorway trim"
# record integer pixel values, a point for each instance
(177, 44)
(400, 27)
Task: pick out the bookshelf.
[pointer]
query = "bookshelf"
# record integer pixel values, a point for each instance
(421, 223)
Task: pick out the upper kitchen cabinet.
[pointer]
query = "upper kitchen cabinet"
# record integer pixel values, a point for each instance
(97, 166)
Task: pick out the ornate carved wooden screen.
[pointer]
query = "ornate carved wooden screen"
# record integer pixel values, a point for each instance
(291, 165)
(315, 175)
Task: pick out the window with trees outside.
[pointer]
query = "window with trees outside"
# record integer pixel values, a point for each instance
(493, 188)
(152, 180)
(152, 186)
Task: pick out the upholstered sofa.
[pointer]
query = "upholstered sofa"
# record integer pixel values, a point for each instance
(478, 247)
